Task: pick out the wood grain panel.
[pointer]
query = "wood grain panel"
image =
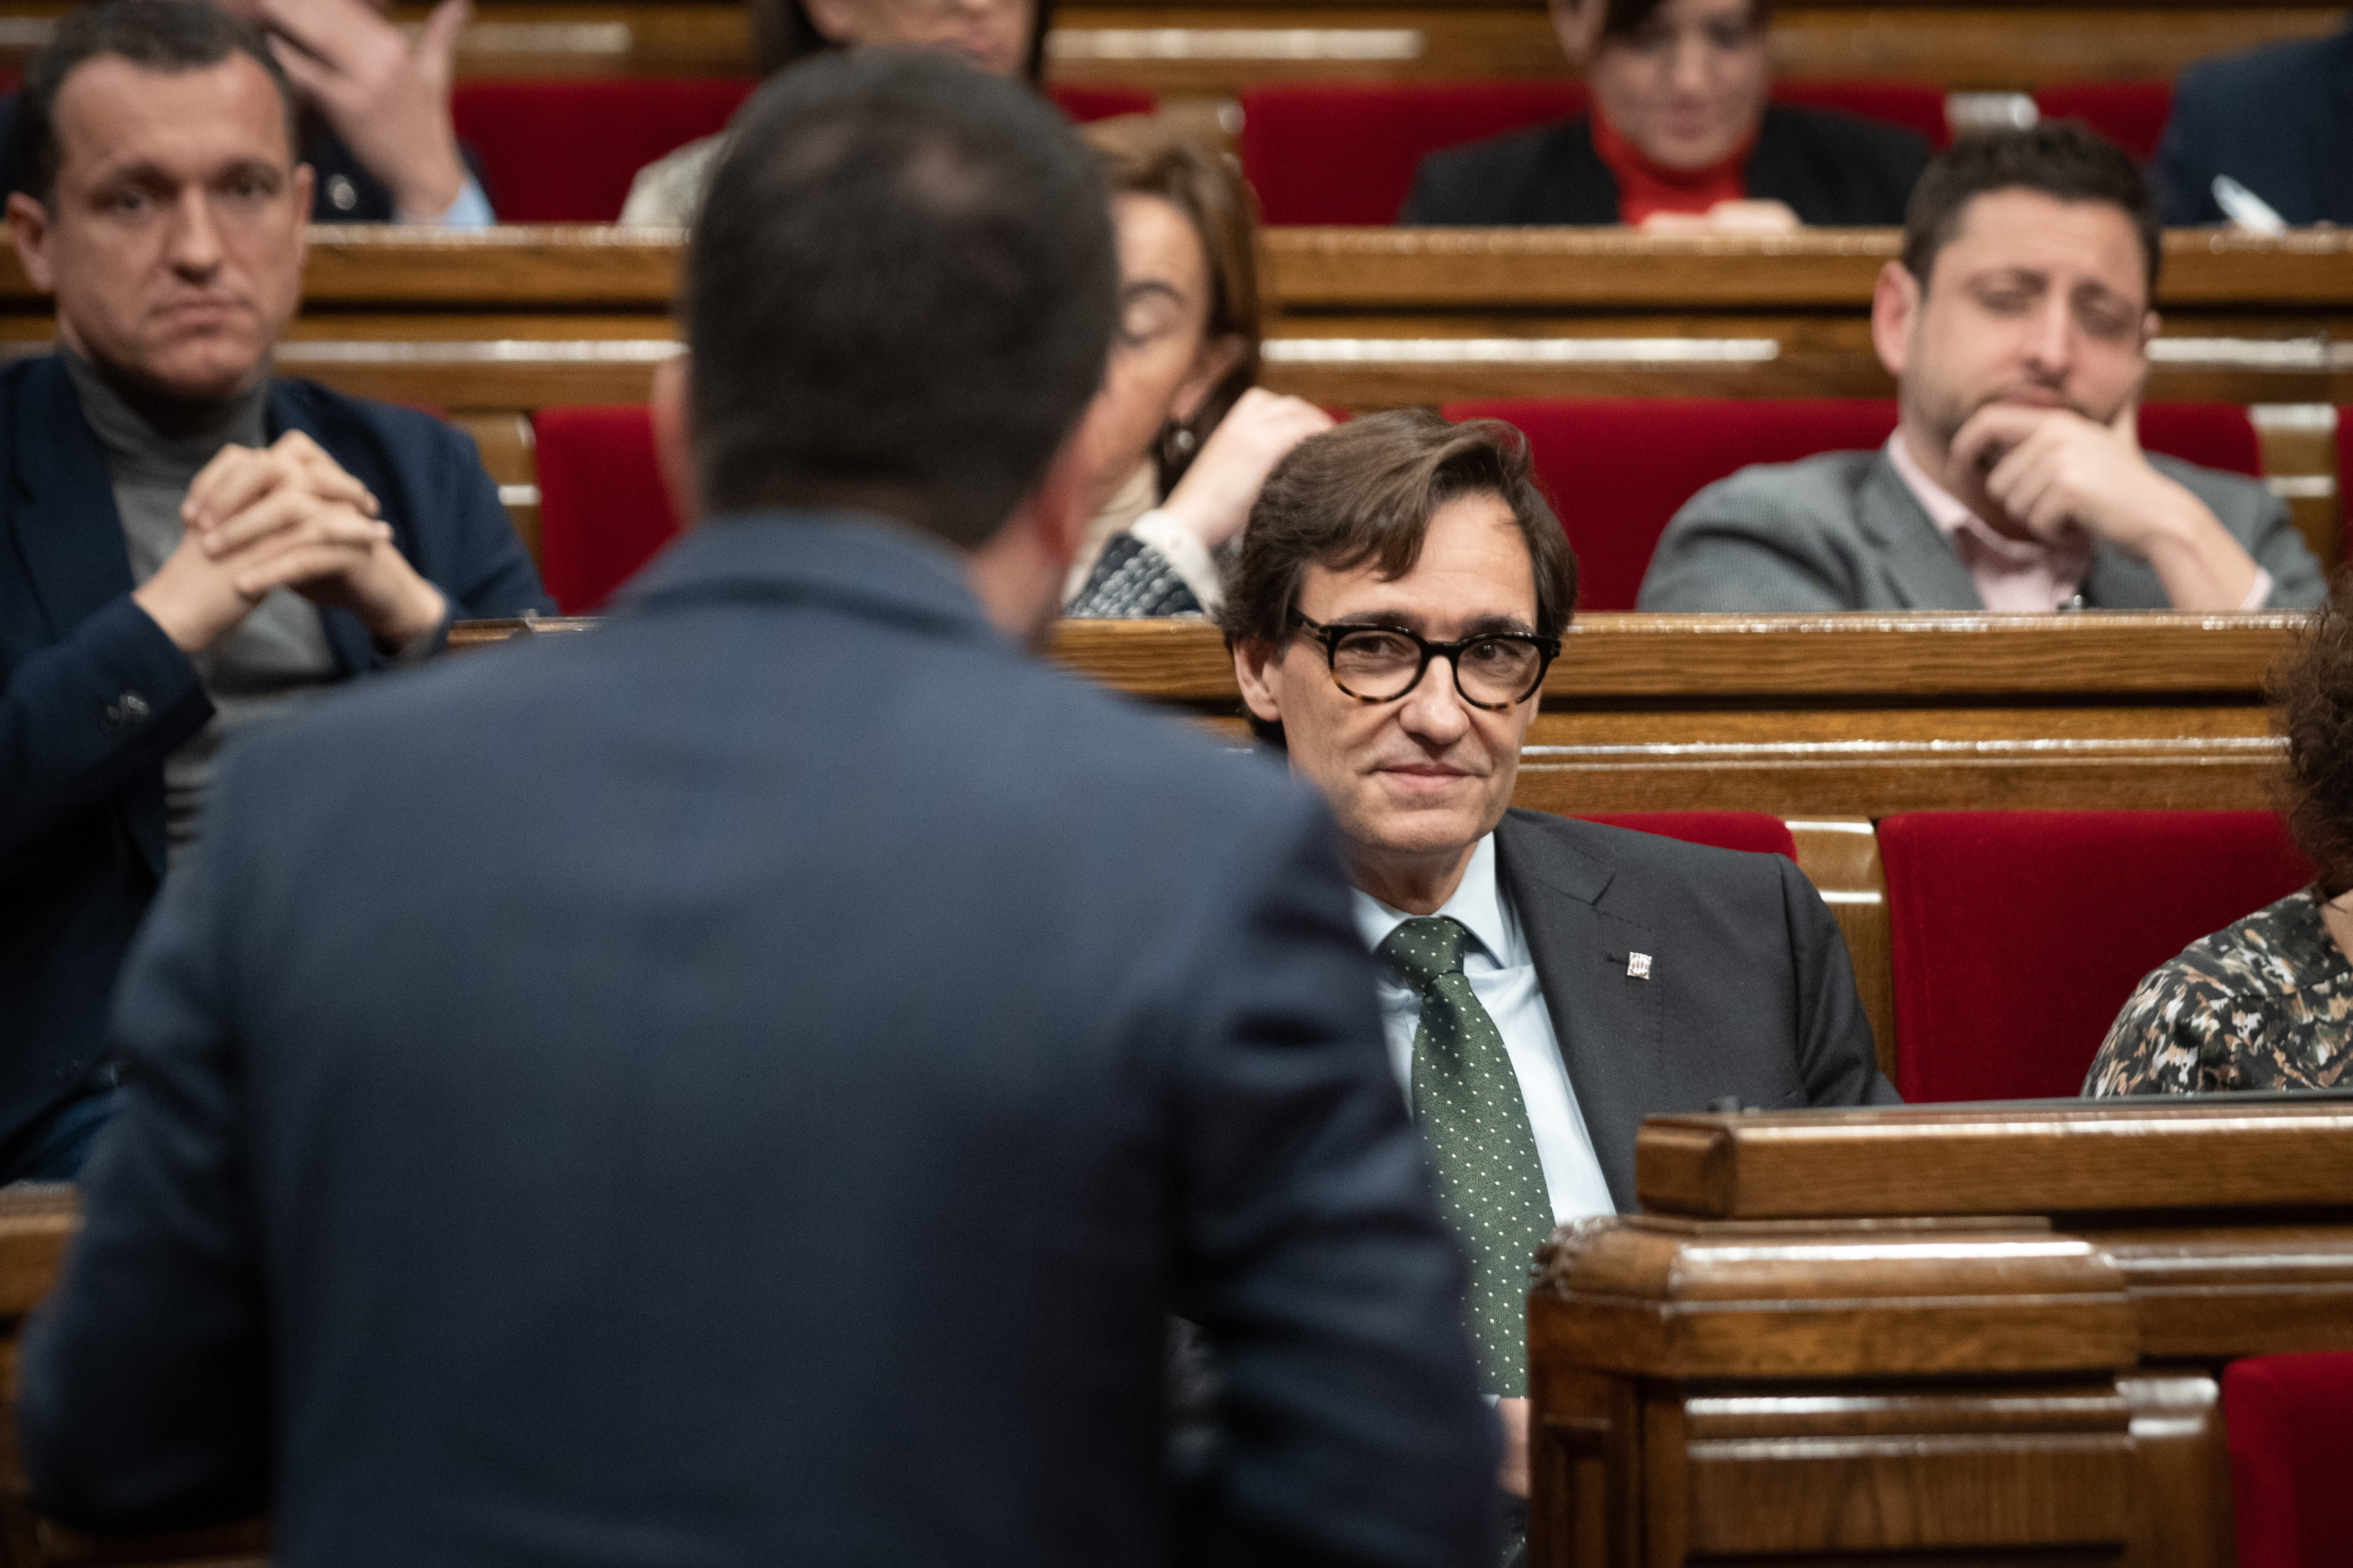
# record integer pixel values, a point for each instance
(2122, 1158)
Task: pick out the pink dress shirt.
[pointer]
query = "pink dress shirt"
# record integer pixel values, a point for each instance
(2019, 574)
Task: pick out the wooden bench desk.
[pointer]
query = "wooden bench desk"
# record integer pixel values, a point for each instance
(491, 325)
(1933, 1334)
(1203, 50)
(1828, 721)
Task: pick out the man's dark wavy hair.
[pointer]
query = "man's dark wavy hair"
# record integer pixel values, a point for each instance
(900, 293)
(157, 35)
(1365, 491)
(2064, 159)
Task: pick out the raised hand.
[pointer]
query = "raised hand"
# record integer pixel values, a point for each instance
(1214, 498)
(386, 98)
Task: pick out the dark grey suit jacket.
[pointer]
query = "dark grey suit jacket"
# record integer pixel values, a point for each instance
(747, 1084)
(1842, 531)
(1750, 990)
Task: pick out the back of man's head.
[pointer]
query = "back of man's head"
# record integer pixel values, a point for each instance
(2064, 159)
(160, 35)
(900, 294)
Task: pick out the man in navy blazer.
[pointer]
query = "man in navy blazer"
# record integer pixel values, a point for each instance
(748, 1083)
(186, 542)
(2278, 119)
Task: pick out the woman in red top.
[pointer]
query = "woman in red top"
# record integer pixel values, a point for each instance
(1682, 134)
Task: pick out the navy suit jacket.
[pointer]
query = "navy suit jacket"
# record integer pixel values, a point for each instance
(1831, 168)
(2278, 119)
(1750, 990)
(93, 696)
(746, 1084)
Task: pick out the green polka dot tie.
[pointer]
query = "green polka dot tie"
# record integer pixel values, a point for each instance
(1489, 1177)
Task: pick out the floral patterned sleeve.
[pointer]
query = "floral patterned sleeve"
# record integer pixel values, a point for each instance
(2158, 1042)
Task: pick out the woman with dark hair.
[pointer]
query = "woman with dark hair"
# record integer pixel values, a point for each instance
(2267, 1004)
(1003, 37)
(1180, 437)
(1682, 135)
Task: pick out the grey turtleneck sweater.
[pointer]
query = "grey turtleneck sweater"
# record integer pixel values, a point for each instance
(279, 653)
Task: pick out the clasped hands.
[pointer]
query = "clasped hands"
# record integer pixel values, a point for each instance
(285, 517)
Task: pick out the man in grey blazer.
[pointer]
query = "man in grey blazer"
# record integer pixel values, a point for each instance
(1402, 589)
(2017, 326)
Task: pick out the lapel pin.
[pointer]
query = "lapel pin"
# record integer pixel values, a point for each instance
(1638, 966)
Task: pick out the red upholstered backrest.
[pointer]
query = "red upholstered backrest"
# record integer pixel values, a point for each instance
(1906, 103)
(1617, 469)
(1085, 103)
(2018, 934)
(602, 510)
(1755, 831)
(564, 151)
(2132, 114)
(2289, 1420)
(2218, 435)
(1346, 154)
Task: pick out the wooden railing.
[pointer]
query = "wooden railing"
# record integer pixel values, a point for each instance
(1931, 1334)
(1200, 49)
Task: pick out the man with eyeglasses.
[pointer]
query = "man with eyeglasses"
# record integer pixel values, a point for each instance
(1546, 982)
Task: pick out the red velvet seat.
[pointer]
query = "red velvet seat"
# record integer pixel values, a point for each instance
(2132, 114)
(1757, 832)
(603, 512)
(1618, 469)
(565, 151)
(1346, 154)
(2018, 934)
(2289, 1419)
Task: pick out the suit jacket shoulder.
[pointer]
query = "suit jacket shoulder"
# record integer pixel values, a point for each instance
(1835, 169)
(1546, 174)
(1748, 992)
(1836, 531)
(2277, 119)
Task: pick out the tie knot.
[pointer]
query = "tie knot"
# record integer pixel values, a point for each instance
(1424, 948)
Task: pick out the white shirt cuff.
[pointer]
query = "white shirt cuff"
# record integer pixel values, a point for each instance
(470, 210)
(2261, 593)
(1187, 556)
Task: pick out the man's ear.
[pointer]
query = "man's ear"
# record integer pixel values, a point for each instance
(304, 188)
(1894, 311)
(1056, 507)
(28, 227)
(1254, 664)
(674, 418)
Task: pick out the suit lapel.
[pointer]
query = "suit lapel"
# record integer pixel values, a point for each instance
(1607, 1022)
(354, 650)
(68, 534)
(1918, 561)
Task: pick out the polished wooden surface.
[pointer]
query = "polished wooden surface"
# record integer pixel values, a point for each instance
(1998, 1335)
(2137, 1157)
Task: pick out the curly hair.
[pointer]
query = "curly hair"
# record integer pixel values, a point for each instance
(2312, 699)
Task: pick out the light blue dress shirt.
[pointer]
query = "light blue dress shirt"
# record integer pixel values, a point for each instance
(1502, 975)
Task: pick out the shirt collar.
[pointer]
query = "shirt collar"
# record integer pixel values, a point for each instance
(1957, 523)
(1477, 903)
